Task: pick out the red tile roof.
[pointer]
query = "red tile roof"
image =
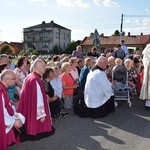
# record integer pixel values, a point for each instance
(18, 45)
(114, 40)
(1, 42)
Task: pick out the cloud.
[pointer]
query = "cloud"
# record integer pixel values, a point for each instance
(135, 21)
(137, 25)
(72, 3)
(146, 22)
(106, 3)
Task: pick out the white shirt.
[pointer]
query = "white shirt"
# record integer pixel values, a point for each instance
(57, 86)
(10, 120)
(40, 103)
(125, 49)
(75, 73)
(98, 89)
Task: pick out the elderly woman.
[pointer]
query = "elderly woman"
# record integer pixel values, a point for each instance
(68, 85)
(111, 64)
(51, 96)
(84, 72)
(132, 74)
(21, 71)
(78, 52)
(118, 61)
(74, 71)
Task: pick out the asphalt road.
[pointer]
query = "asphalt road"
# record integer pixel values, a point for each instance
(126, 129)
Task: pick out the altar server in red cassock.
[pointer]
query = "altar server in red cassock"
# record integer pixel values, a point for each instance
(33, 103)
(8, 118)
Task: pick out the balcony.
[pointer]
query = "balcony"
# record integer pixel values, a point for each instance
(47, 38)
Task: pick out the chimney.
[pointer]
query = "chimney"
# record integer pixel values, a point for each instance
(128, 33)
(43, 22)
(141, 33)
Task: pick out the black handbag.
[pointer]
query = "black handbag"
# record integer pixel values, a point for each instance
(75, 91)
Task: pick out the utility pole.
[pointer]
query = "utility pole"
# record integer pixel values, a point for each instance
(122, 15)
(121, 26)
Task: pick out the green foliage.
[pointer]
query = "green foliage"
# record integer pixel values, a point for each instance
(34, 52)
(57, 50)
(117, 33)
(72, 46)
(6, 50)
(123, 33)
(91, 34)
(42, 52)
(22, 52)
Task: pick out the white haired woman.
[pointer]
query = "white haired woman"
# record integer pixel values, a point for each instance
(68, 85)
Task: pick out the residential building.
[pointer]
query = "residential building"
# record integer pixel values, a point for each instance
(109, 42)
(15, 47)
(45, 36)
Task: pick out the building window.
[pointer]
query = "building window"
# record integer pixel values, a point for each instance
(43, 35)
(64, 36)
(29, 36)
(57, 35)
(45, 44)
(68, 36)
(64, 45)
(30, 45)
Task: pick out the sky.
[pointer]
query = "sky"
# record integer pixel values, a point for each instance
(82, 17)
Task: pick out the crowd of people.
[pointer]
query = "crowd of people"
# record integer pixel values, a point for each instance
(35, 91)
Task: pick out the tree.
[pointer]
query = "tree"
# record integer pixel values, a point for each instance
(123, 33)
(117, 33)
(72, 46)
(6, 50)
(91, 34)
(56, 50)
(34, 52)
(23, 52)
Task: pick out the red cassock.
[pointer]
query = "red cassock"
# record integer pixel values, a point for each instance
(9, 138)
(2, 127)
(28, 106)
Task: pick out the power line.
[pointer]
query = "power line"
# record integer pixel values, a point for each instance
(136, 15)
(93, 21)
(122, 17)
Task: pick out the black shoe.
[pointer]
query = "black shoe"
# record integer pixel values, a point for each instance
(147, 108)
(56, 116)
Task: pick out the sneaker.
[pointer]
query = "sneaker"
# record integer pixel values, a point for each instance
(64, 114)
(115, 104)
